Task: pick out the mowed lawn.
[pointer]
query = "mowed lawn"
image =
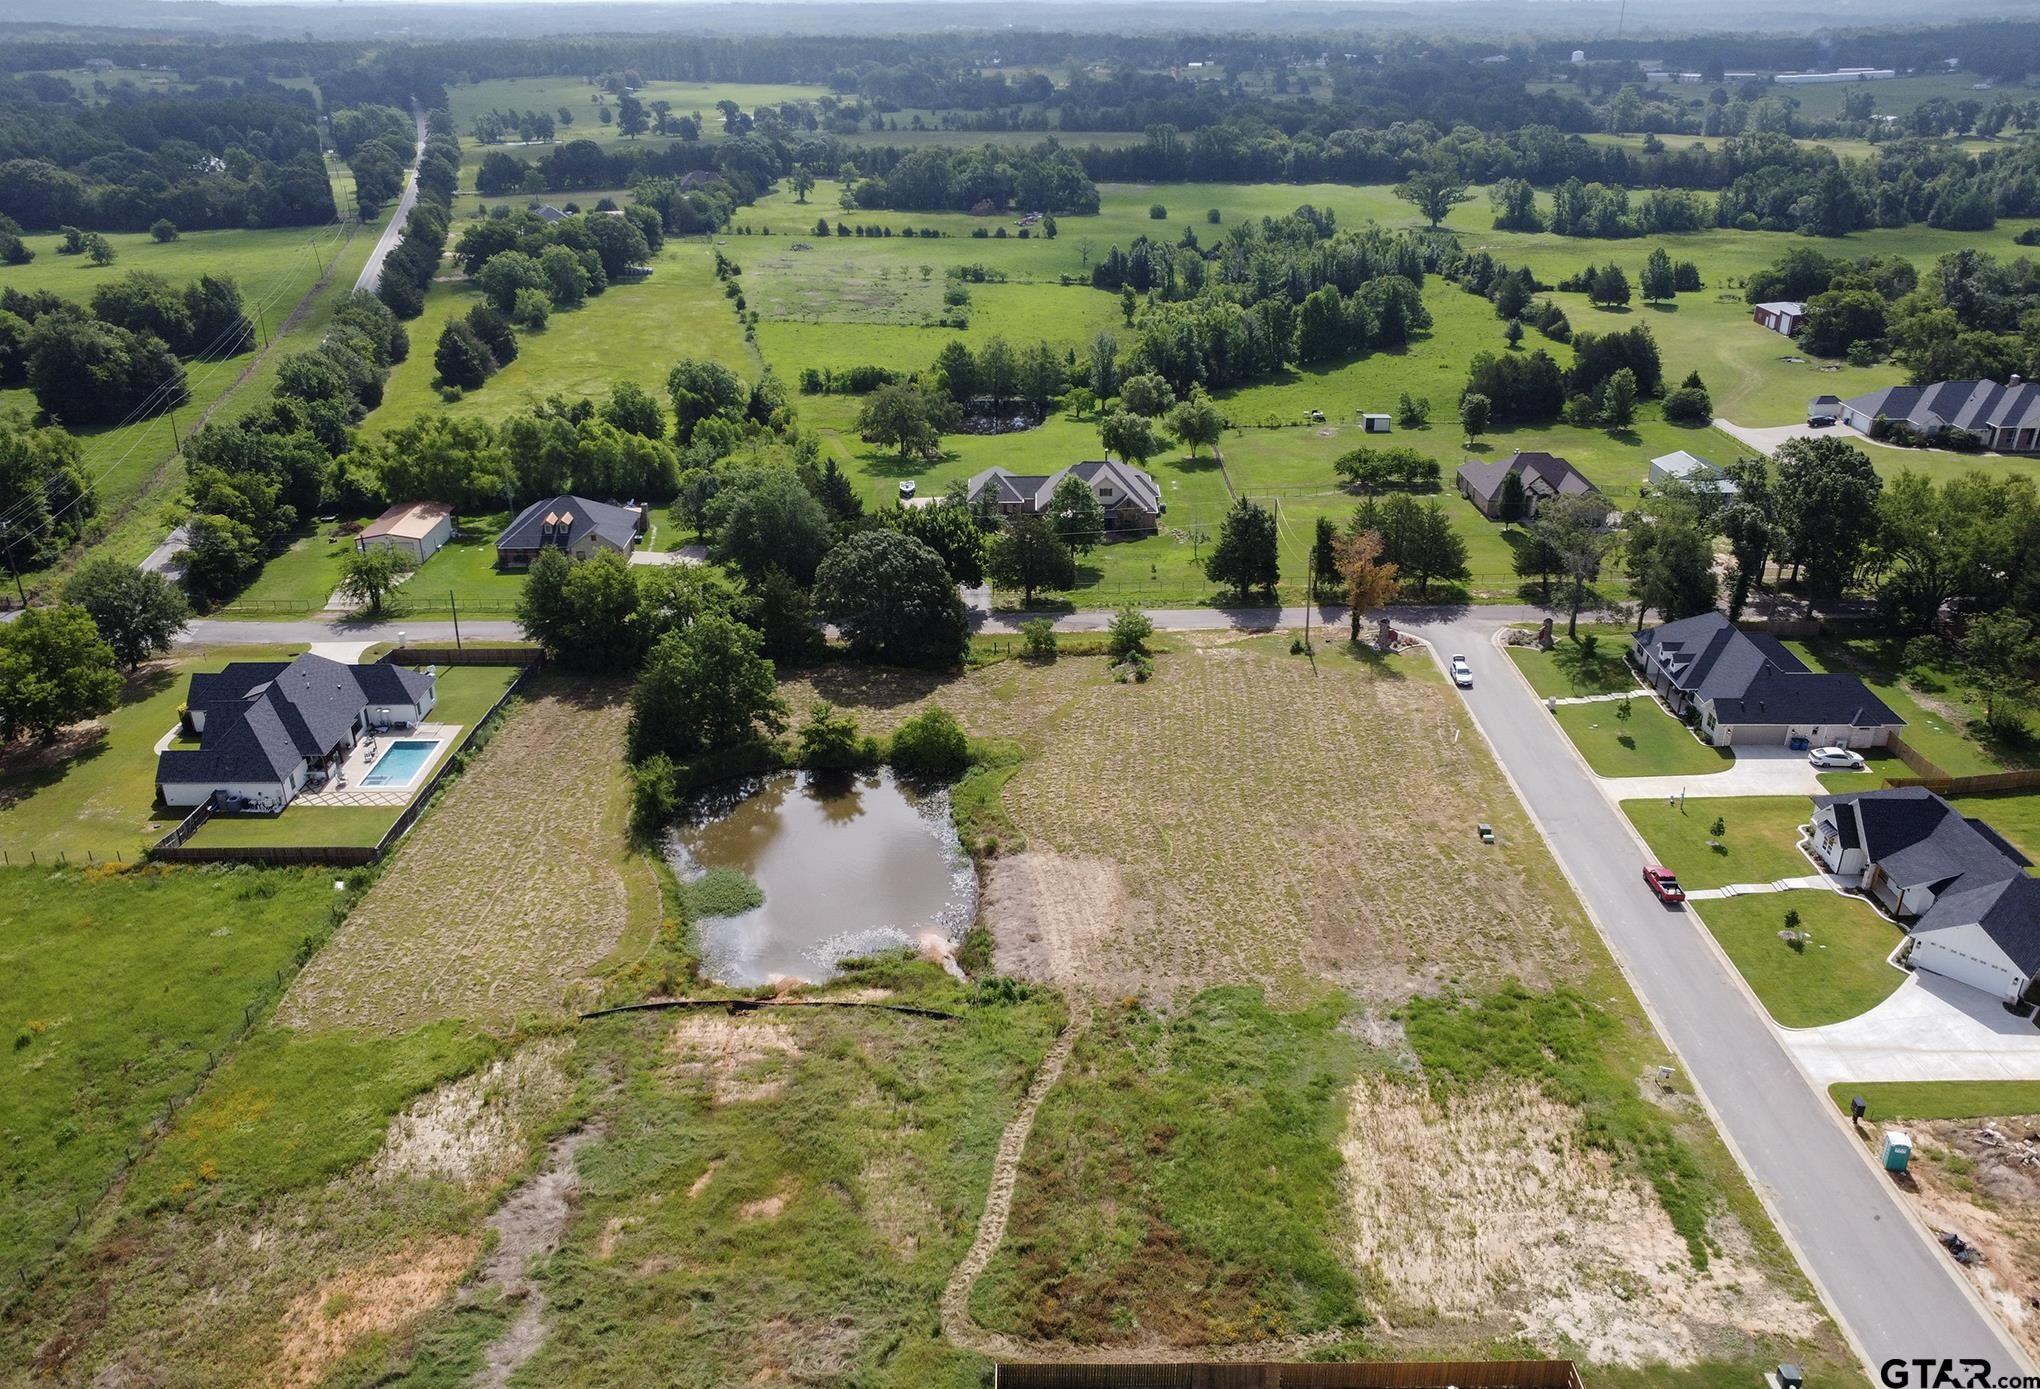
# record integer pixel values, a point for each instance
(1649, 743)
(1758, 842)
(1570, 670)
(1842, 970)
(461, 574)
(117, 989)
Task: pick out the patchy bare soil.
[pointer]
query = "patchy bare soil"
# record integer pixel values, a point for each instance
(737, 1058)
(508, 894)
(1055, 918)
(528, 1226)
(475, 1131)
(1981, 1179)
(1489, 1219)
(372, 1299)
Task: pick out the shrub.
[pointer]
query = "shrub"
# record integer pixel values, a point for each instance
(1158, 212)
(931, 745)
(1127, 638)
(654, 795)
(163, 229)
(1039, 634)
(1688, 405)
(1211, 215)
(721, 892)
(829, 741)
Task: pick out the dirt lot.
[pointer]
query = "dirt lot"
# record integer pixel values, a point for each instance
(1981, 1178)
(508, 893)
(1525, 1231)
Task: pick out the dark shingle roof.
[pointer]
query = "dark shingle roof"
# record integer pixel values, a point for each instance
(1752, 678)
(1918, 838)
(1034, 489)
(1967, 405)
(2008, 910)
(1484, 479)
(615, 524)
(262, 718)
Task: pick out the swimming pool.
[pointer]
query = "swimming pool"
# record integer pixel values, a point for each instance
(400, 762)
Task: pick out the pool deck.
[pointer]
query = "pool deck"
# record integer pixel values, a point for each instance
(347, 788)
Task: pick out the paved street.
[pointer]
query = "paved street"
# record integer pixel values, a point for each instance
(371, 273)
(1893, 1289)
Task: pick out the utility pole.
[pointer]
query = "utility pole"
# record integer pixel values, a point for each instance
(263, 324)
(454, 603)
(7, 544)
(176, 439)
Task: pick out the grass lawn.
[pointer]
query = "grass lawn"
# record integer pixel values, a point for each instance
(2013, 814)
(463, 571)
(1652, 744)
(1569, 670)
(95, 791)
(1759, 841)
(117, 987)
(1841, 972)
(1940, 1099)
(1941, 720)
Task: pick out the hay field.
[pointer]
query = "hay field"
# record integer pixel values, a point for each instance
(506, 895)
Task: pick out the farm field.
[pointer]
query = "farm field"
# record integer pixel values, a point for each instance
(123, 987)
(137, 468)
(473, 921)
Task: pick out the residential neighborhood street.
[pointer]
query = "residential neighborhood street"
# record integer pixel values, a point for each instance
(1895, 1293)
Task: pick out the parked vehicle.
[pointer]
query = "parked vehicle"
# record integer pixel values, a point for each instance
(1462, 673)
(1836, 757)
(1661, 881)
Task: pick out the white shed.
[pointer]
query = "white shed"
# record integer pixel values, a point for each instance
(1375, 424)
(418, 529)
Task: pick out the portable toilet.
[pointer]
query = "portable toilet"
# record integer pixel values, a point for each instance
(1374, 424)
(1897, 1150)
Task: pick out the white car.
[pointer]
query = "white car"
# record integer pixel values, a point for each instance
(1836, 757)
(1462, 673)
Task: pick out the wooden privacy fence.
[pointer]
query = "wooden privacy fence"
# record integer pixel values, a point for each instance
(1390, 1374)
(468, 655)
(1983, 784)
(173, 848)
(1922, 765)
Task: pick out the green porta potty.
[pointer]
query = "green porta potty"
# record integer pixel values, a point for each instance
(1897, 1150)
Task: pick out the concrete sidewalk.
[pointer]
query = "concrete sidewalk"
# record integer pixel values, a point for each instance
(1816, 881)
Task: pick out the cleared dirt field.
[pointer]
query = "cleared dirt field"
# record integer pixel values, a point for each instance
(507, 894)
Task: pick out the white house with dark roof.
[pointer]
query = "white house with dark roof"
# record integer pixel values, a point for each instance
(2001, 417)
(575, 526)
(1690, 470)
(265, 728)
(1962, 891)
(1746, 688)
(1133, 503)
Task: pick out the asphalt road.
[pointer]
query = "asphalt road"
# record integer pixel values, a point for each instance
(1897, 1294)
(371, 274)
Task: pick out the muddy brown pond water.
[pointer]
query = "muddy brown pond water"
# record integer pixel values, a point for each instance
(848, 863)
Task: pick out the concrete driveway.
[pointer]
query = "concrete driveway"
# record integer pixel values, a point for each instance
(1766, 438)
(1929, 1029)
(1756, 771)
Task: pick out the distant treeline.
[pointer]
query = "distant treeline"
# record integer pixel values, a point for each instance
(247, 157)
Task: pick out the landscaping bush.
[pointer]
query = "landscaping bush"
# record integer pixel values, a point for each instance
(1039, 634)
(930, 745)
(829, 741)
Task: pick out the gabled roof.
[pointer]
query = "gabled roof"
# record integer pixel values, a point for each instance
(1544, 472)
(2008, 910)
(408, 521)
(1752, 678)
(1920, 840)
(1784, 306)
(1691, 468)
(1965, 405)
(617, 525)
(263, 718)
(1032, 490)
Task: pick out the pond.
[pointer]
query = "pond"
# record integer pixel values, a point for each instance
(847, 863)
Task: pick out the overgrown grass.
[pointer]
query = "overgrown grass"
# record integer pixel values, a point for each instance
(811, 1230)
(1182, 1182)
(1758, 842)
(1940, 1099)
(1563, 1043)
(117, 992)
(1840, 973)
